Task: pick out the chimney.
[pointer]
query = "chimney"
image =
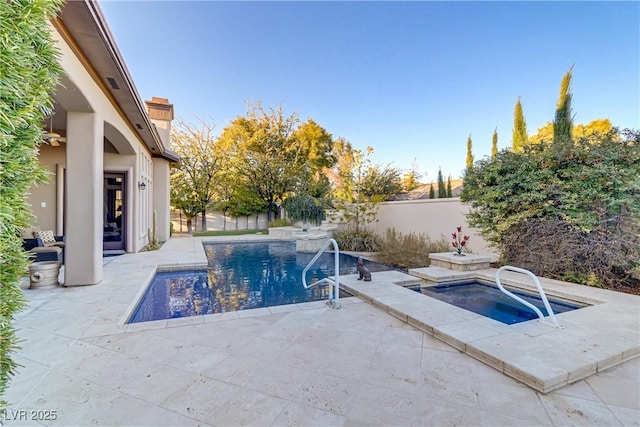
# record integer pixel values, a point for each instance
(161, 115)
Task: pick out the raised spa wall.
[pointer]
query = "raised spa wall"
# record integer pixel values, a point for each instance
(308, 238)
(447, 267)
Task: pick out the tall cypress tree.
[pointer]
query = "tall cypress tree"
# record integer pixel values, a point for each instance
(520, 138)
(494, 144)
(442, 191)
(563, 122)
(432, 194)
(449, 192)
(469, 153)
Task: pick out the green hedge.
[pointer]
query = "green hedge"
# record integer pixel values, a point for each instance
(29, 73)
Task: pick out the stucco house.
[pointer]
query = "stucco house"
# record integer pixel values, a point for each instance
(107, 151)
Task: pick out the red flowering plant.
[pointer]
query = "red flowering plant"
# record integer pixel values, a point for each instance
(459, 241)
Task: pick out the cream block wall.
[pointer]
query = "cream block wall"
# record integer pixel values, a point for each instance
(216, 222)
(433, 217)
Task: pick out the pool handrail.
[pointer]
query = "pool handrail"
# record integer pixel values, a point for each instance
(334, 285)
(543, 296)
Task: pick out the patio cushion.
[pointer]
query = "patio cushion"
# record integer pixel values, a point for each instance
(46, 236)
(43, 253)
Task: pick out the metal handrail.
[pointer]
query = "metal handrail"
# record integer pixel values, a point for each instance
(334, 285)
(543, 296)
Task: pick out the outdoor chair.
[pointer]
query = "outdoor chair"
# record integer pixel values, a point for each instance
(41, 252)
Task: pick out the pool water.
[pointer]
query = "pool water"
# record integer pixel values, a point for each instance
(487, 299)
(241, 276)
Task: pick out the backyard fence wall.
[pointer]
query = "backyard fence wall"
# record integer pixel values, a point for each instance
(218, 221)
(434, 217)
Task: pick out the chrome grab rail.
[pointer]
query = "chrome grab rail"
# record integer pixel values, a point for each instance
(334, 285)
(528, 304)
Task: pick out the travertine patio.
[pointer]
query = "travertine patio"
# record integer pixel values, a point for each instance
(290, 365)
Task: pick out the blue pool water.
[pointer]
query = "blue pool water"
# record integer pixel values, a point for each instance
(241, 276)
(486, 299)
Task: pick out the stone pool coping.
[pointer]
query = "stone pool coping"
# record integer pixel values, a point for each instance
(592, 339)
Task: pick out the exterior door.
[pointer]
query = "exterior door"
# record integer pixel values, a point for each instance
(114, 221)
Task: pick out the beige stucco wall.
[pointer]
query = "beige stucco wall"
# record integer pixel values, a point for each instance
(140, 211)
(91, 116)
(438, 217)
(46, 217)
(161, 203)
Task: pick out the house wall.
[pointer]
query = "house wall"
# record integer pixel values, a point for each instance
(136, 163)
(161, 187)
(435, 217)
(46, 216)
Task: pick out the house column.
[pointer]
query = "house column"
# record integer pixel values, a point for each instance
(84, 191)
(161, 114)
(161, 203)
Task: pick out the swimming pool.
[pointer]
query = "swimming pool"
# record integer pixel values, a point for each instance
(486, 299)
(241, 276)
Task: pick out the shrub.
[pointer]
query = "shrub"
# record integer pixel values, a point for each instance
(563, 210)
(409, 250)
(554, 248)
(357, 241)
(29, 75)
(280, 222)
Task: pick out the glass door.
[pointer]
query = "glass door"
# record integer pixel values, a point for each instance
(114, 222)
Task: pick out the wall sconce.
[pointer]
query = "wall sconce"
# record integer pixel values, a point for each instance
(142, 185)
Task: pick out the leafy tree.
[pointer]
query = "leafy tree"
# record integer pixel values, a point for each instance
(269, 159)
(589, 131)
(341, 176)
(432, 193)
(383, 182)
(543, 135)
(238, 200)
(494, 144)
(449, 191)
(442, 191)
(469, 162)
(592, 129)
(563, 122)
(316, 145)
(185, 198)
(411, 177)
(520, 138)
(194, 181)
(318, 155)
(29, 75)
(354, 199)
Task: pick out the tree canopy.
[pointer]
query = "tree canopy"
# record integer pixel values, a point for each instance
(194, 182)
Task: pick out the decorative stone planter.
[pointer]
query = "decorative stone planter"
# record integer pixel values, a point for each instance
(43, 274)
(467, 262)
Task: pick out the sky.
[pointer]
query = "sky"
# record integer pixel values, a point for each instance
(411, 79)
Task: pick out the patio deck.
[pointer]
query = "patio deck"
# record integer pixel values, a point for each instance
(303, 364)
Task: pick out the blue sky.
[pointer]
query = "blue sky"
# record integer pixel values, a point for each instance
(411, 79)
